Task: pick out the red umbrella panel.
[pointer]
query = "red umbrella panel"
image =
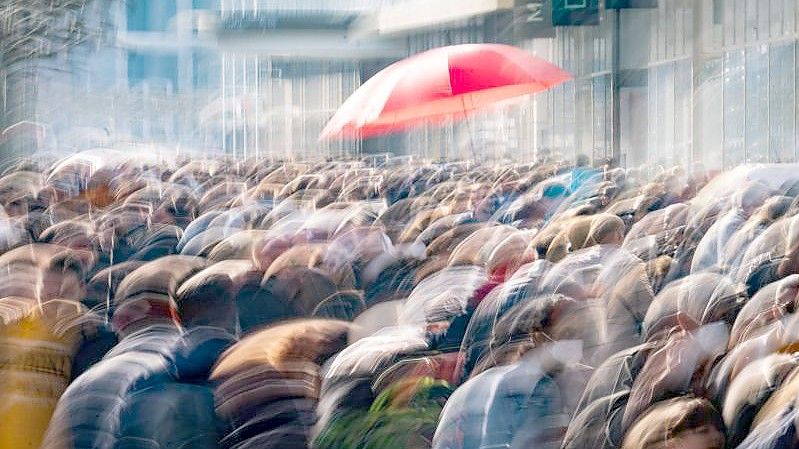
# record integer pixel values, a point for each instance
(440, 84)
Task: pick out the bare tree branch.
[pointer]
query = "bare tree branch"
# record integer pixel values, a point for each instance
(32, 29)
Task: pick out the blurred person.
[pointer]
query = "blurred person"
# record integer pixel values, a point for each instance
(45, 271)
(684, 423)
(696, 347)
(146, 359)
(750, 390)
(403, 416)
(710, 250)
(584, 232)
(268, 383)
(208, 302)
(38, 344)
(515, 405)
(772, 210)
(772, 266)
(437, 291)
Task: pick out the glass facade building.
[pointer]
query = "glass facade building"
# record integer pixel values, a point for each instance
(272, 108)
(274, 102)
(717, 84)
(708, 81)
(149, 87)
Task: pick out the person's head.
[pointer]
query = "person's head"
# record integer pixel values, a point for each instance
(685, 423)
(607, 194)
(553, 191)
(582, 161)
(63, 278)
(45, 272)
(606, 229)
(145, 297)
(792, 239)
(208, 301)
(751, 197)
(774, 208)
(141, 312)
(544, 154)
(611, 163)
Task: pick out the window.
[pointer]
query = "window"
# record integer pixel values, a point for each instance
(150, 15)
(666, 113)
(734, 108)
(718, 12)
(576, 4)
(157, 70)
(204, 4)
(683, 104)
(782, 103)
(601, 116)
(756, 104)
(708, 142)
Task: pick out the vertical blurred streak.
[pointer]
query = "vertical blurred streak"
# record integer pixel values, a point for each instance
(616, 88)
(244, 101)
(224, 97)
(699, 36)
(534, 154)
(257, 100)
(236, 105)
(270, 93)
(288, 95)
(108, 291)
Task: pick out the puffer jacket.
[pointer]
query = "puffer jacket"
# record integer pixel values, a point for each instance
(150, 391)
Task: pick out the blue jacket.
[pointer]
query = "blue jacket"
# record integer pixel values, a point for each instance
(580, 175)
(150, 391)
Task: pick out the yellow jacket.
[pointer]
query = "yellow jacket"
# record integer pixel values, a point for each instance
(37, 345)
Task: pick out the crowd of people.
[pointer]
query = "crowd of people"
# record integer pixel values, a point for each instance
(213, 303)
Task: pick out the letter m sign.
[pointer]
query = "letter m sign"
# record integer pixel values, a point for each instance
(534, 11)
(532, 19)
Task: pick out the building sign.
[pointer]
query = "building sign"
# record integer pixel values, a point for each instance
(575, 12)
(533, 12)
(624, 4)
(532, 19)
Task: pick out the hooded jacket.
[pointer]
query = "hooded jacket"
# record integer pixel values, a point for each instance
(150, 391)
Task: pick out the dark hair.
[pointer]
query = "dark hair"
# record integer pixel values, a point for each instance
(65, 262)
(195, 300)
(582, 160)
(700, 413)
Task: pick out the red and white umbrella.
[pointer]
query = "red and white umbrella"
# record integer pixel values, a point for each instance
(441, 84)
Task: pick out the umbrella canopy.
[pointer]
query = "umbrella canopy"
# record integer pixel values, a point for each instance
(441, 83)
